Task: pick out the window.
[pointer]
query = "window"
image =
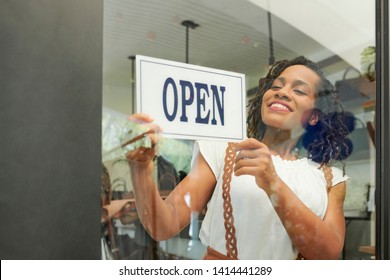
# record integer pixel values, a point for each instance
(242, 36)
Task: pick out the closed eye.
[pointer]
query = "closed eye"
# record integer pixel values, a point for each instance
(300, 92)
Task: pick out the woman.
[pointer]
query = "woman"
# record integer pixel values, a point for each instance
(279, 199)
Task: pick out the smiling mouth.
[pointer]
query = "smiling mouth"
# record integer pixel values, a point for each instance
(279, 107)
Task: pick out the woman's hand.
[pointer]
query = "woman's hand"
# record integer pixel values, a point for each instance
(143, 156)
(254, 158)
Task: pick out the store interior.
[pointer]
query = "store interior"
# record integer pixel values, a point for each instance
(241, 36)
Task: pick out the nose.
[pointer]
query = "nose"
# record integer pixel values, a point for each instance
(283, 94)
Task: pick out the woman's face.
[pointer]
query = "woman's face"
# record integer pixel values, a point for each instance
(289, 102)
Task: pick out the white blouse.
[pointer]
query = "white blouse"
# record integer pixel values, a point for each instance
(259, 231)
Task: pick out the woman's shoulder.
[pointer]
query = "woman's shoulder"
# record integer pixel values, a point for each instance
(212, 151)
(338, 175)
(211, 146)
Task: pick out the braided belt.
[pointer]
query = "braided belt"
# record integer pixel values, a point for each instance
(230, 235)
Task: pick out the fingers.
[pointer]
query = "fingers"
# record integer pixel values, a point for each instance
(247, 154)
(146, 121)
(144, 137)
(252, 158)
(140, 137)
(143, 127)
(141, 156)
(249, 144)
(140, 118)
(150, 149)
(250, 148)
(251, 166)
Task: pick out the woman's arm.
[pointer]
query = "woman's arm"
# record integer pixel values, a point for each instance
(315, 238)
(163, 219)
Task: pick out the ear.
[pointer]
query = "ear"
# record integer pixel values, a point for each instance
(314, 118)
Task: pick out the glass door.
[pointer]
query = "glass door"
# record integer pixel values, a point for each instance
(243, 36)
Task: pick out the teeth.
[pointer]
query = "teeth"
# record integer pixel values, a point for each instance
(279, 106)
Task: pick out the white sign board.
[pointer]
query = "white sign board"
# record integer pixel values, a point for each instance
(192, 102)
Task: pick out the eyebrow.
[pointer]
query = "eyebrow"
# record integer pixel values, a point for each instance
(295, 82)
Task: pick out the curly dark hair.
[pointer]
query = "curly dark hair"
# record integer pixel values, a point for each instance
(326, 141)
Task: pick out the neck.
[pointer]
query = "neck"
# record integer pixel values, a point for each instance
(282, 142)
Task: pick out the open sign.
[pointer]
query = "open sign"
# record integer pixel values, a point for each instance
(190, 101)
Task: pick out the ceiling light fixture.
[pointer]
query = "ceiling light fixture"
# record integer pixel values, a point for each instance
(271, 59)
(188, 24)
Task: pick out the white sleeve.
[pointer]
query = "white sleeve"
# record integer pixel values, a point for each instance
(338, 176)
(214, 154)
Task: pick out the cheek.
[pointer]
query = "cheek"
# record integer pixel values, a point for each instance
(307, 115)
(266, 96)
(262, 113)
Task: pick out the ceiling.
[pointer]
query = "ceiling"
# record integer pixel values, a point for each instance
(232, 35)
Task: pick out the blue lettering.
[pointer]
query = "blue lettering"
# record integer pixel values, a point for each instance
(220, 105)
(201, 102)
(187, 96)
(186, 102)
(170, 81)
